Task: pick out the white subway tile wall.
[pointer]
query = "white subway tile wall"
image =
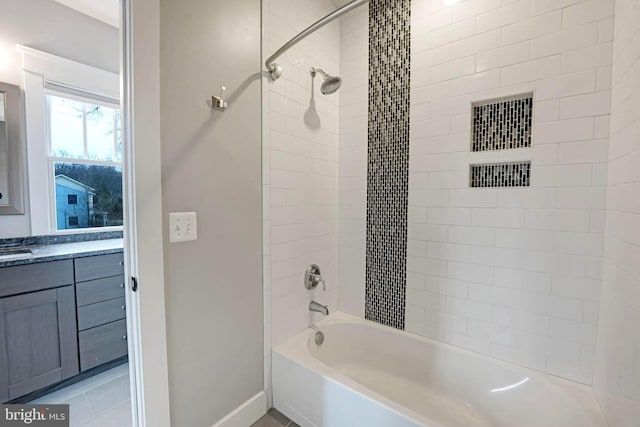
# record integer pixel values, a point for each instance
(300, 170)
(510, 272)
(617, 371)
(352, 213)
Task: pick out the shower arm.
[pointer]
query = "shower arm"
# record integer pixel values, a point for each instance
(274, 69)
(318, 70)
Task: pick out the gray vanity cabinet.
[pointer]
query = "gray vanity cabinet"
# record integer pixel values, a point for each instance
(59, 318)
(101, 309)
(38, 332)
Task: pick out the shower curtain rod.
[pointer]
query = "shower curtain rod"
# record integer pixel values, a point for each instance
(275, 71)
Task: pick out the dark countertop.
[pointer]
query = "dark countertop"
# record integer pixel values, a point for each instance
(53, 252)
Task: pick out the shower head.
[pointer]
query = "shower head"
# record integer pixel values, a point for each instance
(330, 84)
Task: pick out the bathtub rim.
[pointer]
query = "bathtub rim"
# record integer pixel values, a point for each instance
(295, 349)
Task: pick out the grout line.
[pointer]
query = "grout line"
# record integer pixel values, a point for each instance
(90, 407)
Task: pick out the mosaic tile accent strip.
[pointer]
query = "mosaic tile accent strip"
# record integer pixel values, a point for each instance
(500, 175)
(388, 161)
(502, 124)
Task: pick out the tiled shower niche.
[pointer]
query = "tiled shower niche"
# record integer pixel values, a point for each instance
(500, 175)
(501, 124)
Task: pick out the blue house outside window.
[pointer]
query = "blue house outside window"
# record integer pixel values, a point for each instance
(68, 213)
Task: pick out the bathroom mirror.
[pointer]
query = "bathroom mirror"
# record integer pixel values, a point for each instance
(11, 190)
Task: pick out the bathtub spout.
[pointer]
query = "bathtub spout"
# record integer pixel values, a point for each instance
(314, 306)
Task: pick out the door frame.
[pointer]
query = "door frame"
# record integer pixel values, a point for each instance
(143, 231)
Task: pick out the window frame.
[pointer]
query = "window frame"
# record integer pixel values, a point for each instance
(86, 98)
(43, 71)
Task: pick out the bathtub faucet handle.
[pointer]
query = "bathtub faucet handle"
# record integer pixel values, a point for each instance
(313, 277)
(317, 279)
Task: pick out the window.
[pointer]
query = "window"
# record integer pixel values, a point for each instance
(85, 155)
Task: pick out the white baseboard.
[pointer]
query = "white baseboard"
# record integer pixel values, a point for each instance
(247, 413)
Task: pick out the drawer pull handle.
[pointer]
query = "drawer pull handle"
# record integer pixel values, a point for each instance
(122, 308)
(122, 285)
(121, 263)
(124, 338)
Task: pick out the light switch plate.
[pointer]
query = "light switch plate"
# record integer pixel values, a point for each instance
(183, 227)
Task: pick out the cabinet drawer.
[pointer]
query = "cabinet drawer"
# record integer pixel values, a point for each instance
(102, 344)
(92, 315)
(97, 267)
(99, 290)
(25, 278)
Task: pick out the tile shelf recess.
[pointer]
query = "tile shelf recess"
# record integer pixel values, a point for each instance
(500, 175)
(501, 124)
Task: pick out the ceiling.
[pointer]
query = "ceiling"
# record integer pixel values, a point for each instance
(107, 11)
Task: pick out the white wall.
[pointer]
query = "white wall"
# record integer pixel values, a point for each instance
(212, 165)
(617, 373)
(300, 163)
(302, 160)
(513, 273)
(48, 26)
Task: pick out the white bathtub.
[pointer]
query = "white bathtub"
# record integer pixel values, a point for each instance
(370, 375)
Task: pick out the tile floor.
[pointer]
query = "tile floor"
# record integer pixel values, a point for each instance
(100, 401)
(274, 418)
(104, 401)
